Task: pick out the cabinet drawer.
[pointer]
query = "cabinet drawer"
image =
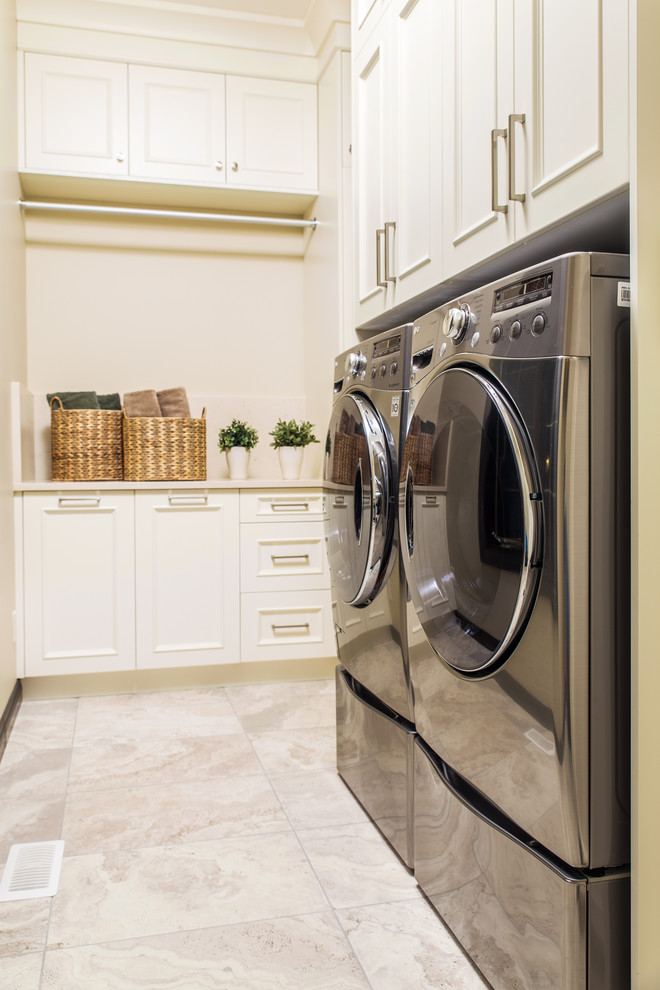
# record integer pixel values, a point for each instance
(287, 625)
(295, 504)
(279, 558)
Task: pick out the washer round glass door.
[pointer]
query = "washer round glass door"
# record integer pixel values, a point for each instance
(473, 520)
(360, 511)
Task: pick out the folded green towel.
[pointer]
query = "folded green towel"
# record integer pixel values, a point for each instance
(110, 401)
(75, 400)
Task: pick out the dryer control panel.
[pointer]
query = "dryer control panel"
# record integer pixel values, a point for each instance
(382, 362)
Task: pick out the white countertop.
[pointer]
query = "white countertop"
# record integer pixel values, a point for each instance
(211, 484)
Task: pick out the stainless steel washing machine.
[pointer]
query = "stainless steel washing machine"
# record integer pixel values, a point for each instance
(374, 704)
(514, 508)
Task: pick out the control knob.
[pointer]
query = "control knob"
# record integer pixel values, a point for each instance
(456, 322)
(355, 363)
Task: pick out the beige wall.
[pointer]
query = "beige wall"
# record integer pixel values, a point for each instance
(12, 327)
(646, 505)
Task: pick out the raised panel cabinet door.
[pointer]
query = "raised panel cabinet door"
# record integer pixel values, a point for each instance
(372, 130)
(76, 116)
(572, 87)
(478, 97)
(187, 588)
(79, 583)
(271, 133)
(416, 149)
(177, 124)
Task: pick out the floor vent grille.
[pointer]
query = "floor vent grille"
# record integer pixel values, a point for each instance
(32, 870)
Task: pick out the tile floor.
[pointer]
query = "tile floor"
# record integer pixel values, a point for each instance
(209, 844)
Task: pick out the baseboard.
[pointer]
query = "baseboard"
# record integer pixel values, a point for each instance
(8, 717)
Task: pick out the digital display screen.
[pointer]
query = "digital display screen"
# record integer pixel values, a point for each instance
(518, 292)
(387, 346)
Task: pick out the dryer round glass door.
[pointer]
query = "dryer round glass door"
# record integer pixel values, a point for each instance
(360, 511)
(472, 519)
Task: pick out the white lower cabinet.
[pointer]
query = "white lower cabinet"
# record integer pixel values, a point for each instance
(118, 581)
(79, 586)
(187, 598)
(286, 611)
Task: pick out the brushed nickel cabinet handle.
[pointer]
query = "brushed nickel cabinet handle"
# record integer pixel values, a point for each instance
(290, 506)
(494, 171)
(72, 501)
(389, 225)
(514, 118)
(289, 556)
(379, 258)
(298, 625)
(188, 499)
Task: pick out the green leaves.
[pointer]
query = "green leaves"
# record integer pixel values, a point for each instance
(292, 434)
(238, 434)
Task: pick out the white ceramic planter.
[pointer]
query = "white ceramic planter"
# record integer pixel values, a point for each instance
(238, 459)
(291, 461)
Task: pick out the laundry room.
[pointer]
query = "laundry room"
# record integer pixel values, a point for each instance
(385, 718)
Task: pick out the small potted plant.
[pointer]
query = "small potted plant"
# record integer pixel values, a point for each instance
(289, 440)
(236, 441)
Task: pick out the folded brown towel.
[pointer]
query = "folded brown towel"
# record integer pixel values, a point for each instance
(144, 403)
(75, 400)
(173, 402)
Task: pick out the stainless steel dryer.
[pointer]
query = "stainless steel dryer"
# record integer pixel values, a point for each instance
(374, 705)
(515, 530)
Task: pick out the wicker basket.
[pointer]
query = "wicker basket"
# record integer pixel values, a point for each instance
(167, 448)
(86, 444)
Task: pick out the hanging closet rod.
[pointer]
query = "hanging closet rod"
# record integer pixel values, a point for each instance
(139, 211)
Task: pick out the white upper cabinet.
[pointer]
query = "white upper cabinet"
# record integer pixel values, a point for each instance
(397, 155)
(96, 118)
(176, 124)
(76, 115)
(536, 118)
(572, 88)
(271, 133)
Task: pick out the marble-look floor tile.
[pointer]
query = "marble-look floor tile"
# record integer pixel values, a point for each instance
(304, 953)
(97, 766)
(355, 865)
(45, 724)
(23, 927)
(297, 705)
(154, 715)
(123, 895)
(289, 750)
(317, 798)
(29, 820)
(100, 821)
(21, 972)
(405, 945)
(27, 772)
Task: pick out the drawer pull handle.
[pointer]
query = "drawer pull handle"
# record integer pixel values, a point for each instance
(188, 499)
(290, 506)
(298, 625)
(289, 556)
(82, 500)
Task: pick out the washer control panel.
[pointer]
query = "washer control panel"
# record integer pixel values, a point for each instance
(381, 362)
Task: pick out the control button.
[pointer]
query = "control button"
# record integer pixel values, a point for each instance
(496, 334)
(515, 330)
(373, 372)
(475, 338)
(443, 348)
(383, 369)
(394, 368)
(538, 324)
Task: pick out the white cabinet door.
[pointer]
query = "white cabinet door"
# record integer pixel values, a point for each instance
(477, 56)
(572, 87)
(283, 558)
(177, 124)
(75, 115)
(416, 150)
(187, 592)
(79, 583)
(371, 162)
(287, 625)
(271, 133)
